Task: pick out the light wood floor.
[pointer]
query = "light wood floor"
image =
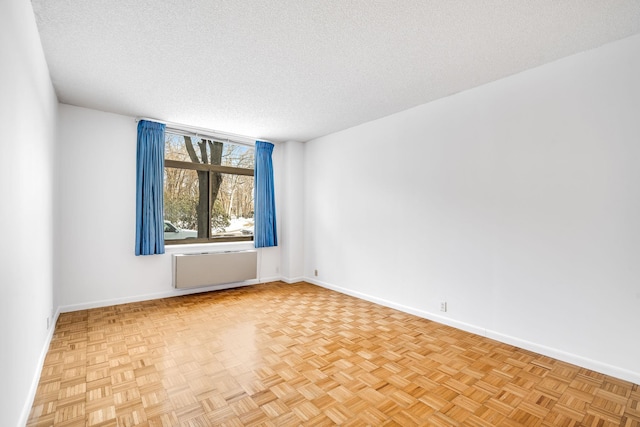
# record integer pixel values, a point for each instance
(287, 355)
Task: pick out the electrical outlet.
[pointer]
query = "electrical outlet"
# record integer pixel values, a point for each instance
(443, 306)
(315, 272)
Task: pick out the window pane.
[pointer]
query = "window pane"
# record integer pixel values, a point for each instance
(238, 156)
(188, 148)
(233, 207)
(181, 199)
(206, 204)
(175, 147)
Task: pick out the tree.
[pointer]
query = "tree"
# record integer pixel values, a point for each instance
(208, 182)
(202, 188)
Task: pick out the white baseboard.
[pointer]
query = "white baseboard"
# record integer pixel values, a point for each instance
(147, 297)
(574, 359)
(591, 364)
(26, 410)
(171, 293)
(270, 279)
(406, 309)
(291, 280)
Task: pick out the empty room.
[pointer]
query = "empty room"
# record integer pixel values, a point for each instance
(284, 213)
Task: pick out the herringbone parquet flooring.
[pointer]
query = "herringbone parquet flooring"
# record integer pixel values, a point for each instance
(288, 355)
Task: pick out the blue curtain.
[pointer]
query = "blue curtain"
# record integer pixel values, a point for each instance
(265, 204)
(149, 189)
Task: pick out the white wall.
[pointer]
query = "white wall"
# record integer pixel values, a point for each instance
(97, 265)
(517, 202)
(292, 207)
(28, 119)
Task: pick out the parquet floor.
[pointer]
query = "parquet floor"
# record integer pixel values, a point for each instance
(288, 355)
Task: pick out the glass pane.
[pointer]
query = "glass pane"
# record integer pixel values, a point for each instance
(233, 208)
(199, 150)
(187, 193)
(238, 156)
(175, 147)
(180, 204)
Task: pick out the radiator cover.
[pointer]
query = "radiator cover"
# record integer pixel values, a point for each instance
(213, 268)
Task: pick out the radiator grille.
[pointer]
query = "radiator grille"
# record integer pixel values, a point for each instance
(213, 268)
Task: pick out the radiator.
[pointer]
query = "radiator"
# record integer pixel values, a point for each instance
(213, 268)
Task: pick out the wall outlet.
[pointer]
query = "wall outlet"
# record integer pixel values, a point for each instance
(443, 306)
(315, 272)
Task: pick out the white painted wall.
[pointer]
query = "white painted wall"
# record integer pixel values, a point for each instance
(517, 202)
(292, 208)
(97, 197)
(28, 119)
(97, 265)
(520, 196)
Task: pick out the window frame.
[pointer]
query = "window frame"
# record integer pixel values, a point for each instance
(210, 169)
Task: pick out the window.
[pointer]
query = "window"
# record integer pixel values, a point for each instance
(208, 190)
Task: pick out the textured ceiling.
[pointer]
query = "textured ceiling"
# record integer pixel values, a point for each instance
(298, 69)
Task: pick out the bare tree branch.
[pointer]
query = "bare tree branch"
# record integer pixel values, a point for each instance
(190, 150)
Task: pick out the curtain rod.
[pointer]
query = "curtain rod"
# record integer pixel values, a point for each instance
(197, 131)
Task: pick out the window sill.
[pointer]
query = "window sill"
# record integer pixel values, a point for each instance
(208, 247)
